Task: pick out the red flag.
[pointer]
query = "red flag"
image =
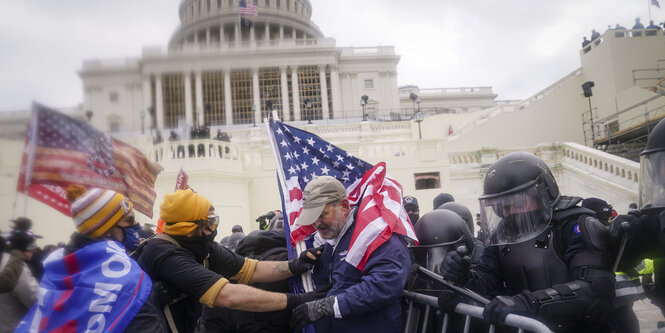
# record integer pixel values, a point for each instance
(61, 151)
(380, 214)
(181, 181)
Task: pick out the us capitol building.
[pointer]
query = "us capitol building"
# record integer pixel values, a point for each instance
(220, 73)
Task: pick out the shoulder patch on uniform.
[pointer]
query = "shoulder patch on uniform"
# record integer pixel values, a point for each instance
(577, 229)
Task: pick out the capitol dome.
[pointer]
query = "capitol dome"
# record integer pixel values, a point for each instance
(219, 21)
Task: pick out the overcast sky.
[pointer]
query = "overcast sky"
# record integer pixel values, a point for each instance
(518, 47)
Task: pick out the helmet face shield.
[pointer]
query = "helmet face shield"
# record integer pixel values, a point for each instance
(431, 256)
(652, 180)
(517, 216)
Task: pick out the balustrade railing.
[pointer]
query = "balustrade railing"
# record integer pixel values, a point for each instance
(194, 149)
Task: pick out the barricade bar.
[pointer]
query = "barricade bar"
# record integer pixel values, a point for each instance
(517, 321)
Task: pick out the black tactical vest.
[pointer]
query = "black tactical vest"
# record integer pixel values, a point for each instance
(533, 264)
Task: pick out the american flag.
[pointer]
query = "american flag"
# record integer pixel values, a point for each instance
(61, 151)
(302, 156)
(247, 8)
(655, 3)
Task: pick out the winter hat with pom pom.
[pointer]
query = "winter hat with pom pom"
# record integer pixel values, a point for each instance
(97, 210)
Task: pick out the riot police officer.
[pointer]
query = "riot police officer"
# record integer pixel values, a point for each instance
(439, 231)
(545, 257)
(466, 215)
(646, 236)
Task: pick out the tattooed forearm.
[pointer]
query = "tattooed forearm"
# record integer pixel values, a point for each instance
(281, 267)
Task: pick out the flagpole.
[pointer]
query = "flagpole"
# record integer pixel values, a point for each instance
(300, 246)
(649, 6)
(32, 144)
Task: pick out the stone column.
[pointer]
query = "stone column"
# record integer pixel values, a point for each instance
(159, 97)
(252, 34)
(256, 95)
(228, 105)
(196, 38)
(325, 111)
(285, 93)
(199, 98)
(207, 36)
(188, 100)
(281, 32)
(147, 104)
(221, 35)
(267, 31)
(237, 31)
(336, 92)
(296, 93)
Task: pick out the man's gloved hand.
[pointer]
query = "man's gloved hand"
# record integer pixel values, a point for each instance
(501, 306)
(310, 312)
(305, 261)
(448, 301)
(456, 266)
(293, 300)
(19, 240)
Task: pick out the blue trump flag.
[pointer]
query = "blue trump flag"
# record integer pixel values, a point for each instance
(97, 288)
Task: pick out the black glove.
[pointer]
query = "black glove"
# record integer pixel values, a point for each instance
(20, 240)
(455, 267)
(501, 306)
(304, 263)
(310, 312)
(448, 301)
(293, 300)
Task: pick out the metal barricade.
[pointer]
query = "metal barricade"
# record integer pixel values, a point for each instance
(469, 311)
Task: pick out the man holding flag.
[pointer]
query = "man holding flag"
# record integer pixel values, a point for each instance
(356, 209)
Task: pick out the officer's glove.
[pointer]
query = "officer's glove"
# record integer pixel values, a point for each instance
(523, 304)
(448, 301)
(456, 266)
(304, 262)
(310, 312)
(294, 300)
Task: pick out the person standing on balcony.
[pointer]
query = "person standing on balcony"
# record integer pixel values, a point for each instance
(652, 29)
(637, 28)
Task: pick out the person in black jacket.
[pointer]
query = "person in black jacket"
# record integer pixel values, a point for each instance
(545, 257)
(193, 270)
(259, 245)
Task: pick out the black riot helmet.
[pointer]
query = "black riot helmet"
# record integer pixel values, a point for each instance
(438, 232)
(518, 199)
(652, 169)
(462, 211)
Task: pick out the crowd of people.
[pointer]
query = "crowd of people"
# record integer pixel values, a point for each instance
(620, 31)
(575, 264)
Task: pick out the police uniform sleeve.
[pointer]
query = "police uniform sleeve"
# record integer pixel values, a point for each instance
(487, 279)
(590, 293)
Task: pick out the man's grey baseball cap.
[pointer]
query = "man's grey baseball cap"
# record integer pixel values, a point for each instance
(317, 194)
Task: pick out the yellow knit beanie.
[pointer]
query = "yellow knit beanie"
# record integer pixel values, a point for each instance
(180, 208)
(97, 210)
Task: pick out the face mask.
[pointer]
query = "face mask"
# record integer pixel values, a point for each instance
(414, 218)
(199, 246)
(132, 237)
(211, 237)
